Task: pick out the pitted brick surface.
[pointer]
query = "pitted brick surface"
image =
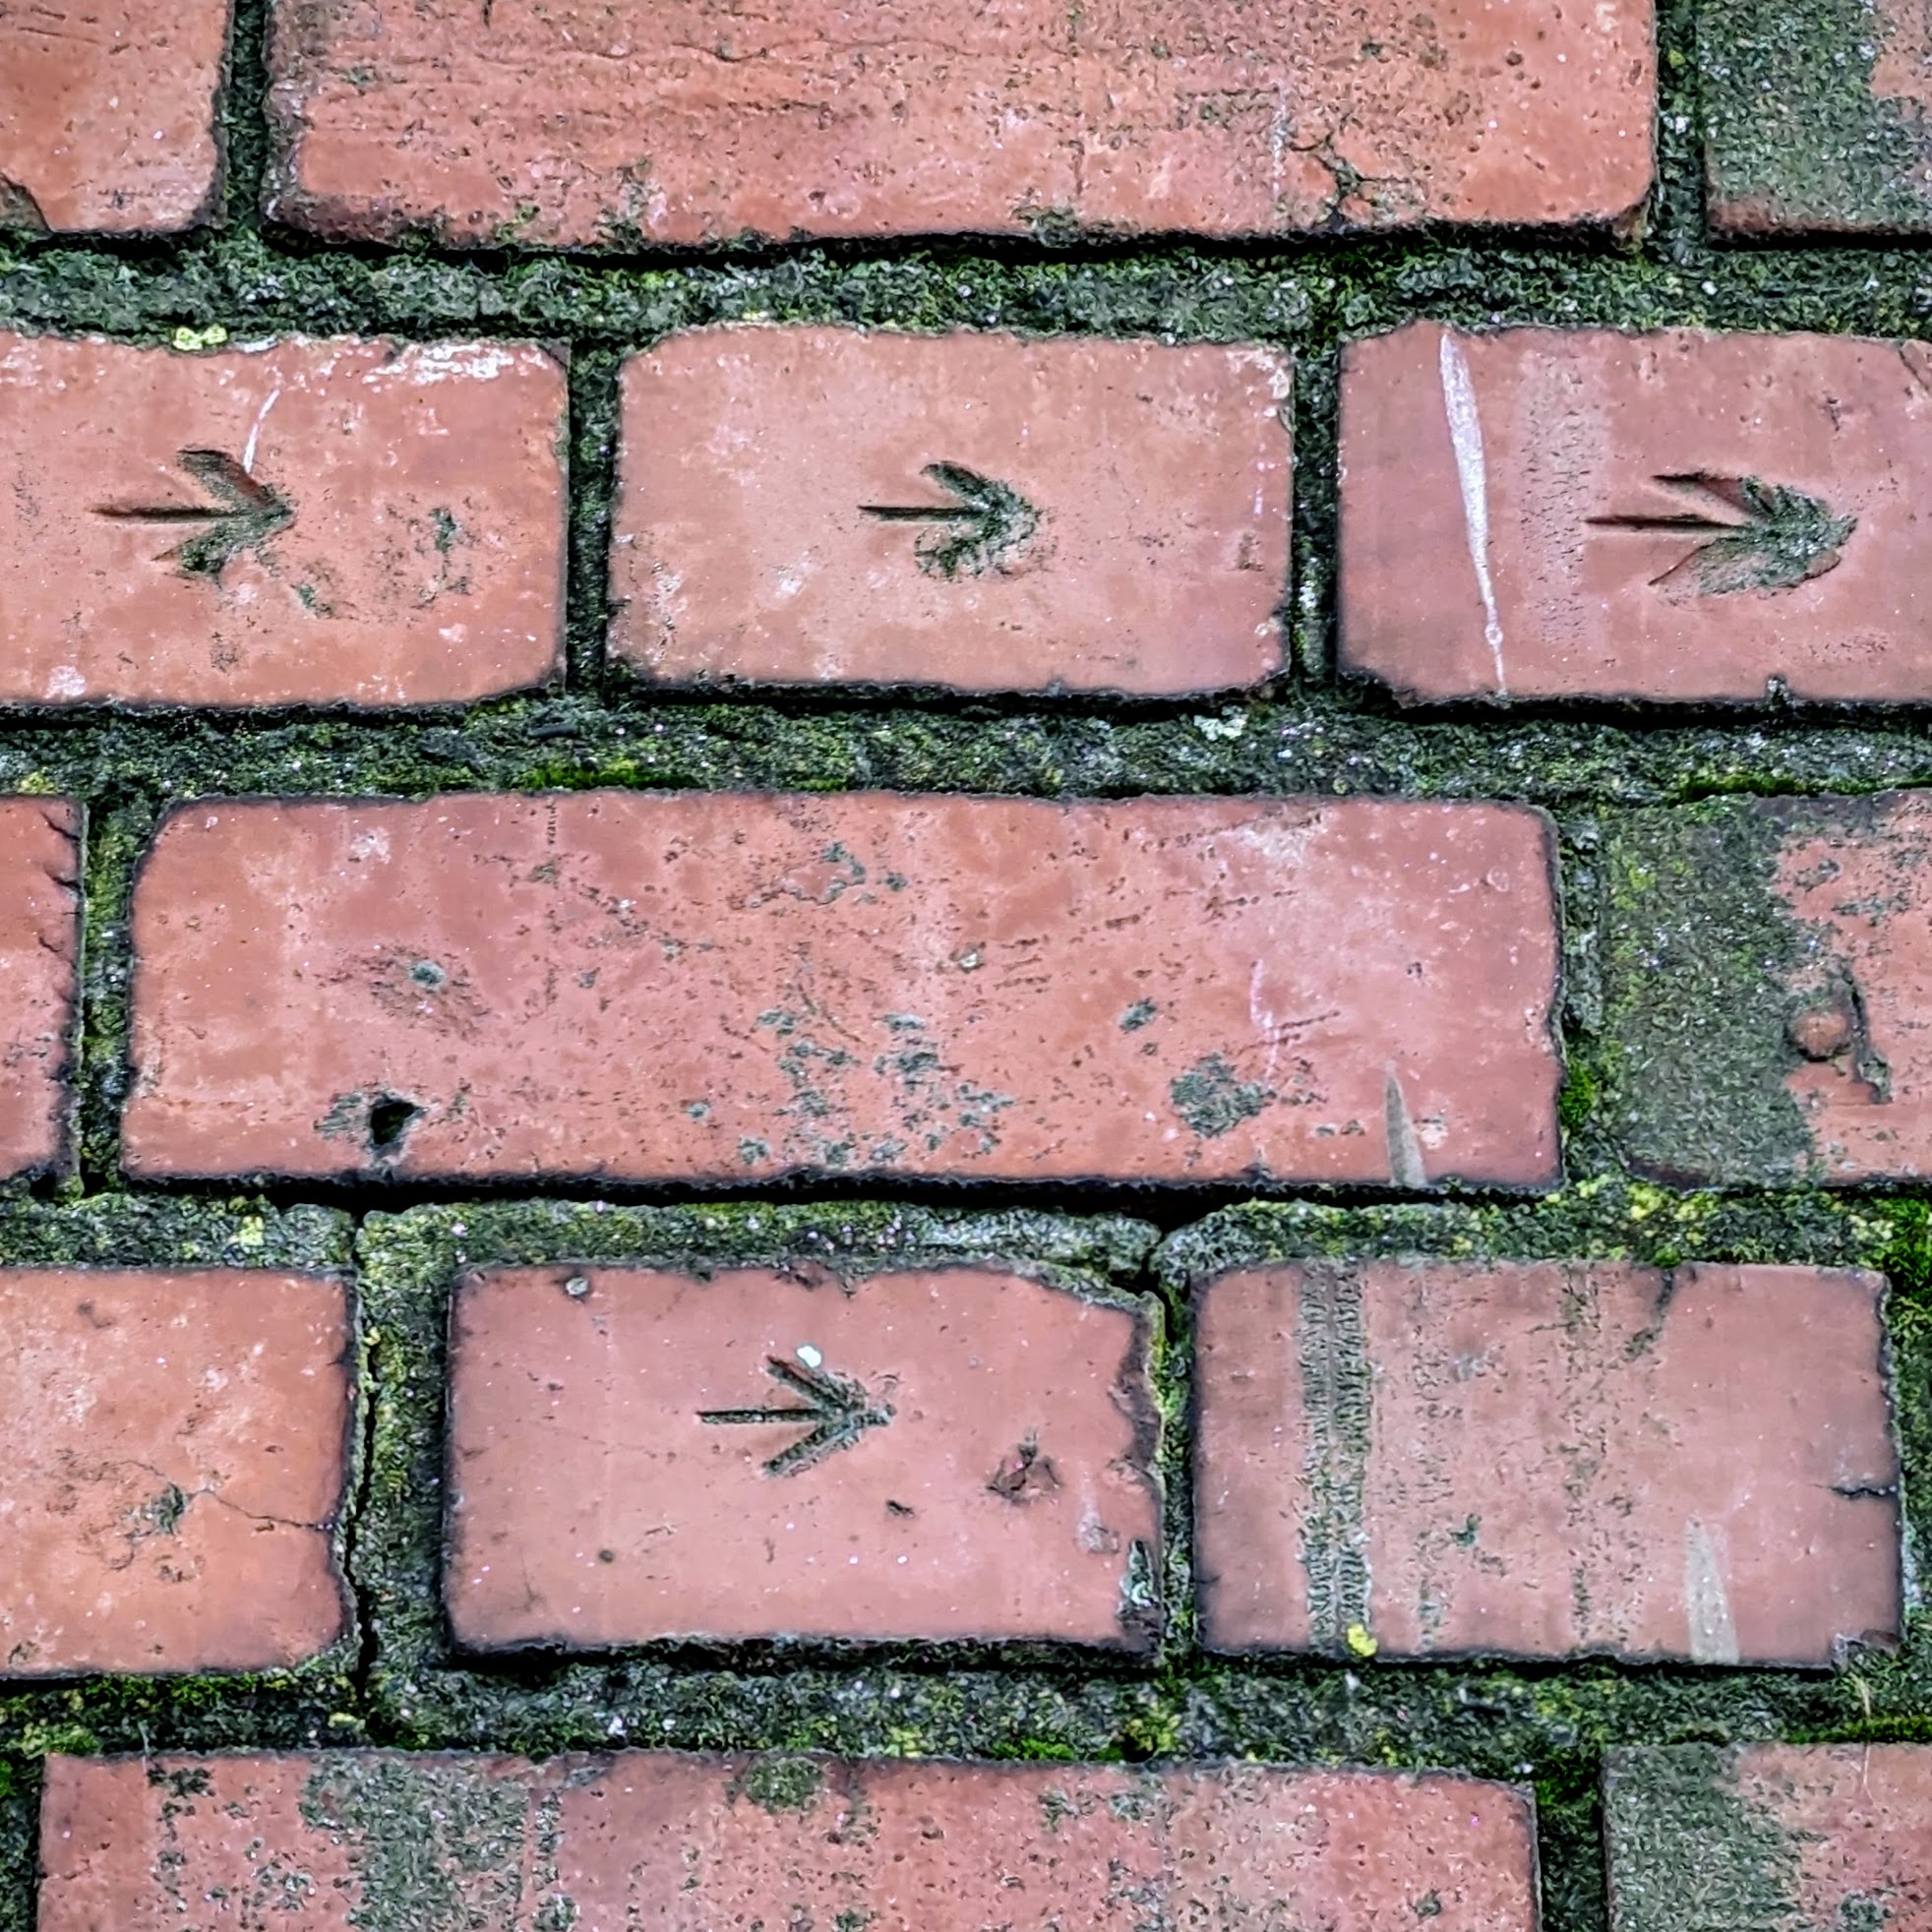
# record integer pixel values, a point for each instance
(108, 116)
(818, 505)
(1547, 1459)
(641, 1454)
(1158, 990)
(339, 1839)
(669, 121)
(356, 522)
(174, 1448)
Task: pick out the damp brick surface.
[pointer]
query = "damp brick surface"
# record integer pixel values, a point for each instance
(861, 421)
(1107, 517)
(1544, 1461)
(1174, 991)
(434, 1844)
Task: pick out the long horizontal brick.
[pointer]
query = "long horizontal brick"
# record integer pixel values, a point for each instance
(1770, 1835)
(1815, 120)
(343, 522)
(39, 981)
(107, 114)
(817, 505)
(173, 1450)
(640, 1454)
(1157, 989)
(1674, 519)
(438, 1843)
(1545, 1460)
(1769, 967)
(583, 125)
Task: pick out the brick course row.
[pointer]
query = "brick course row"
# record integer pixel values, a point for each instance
(1424, 1459)
(1553, 515)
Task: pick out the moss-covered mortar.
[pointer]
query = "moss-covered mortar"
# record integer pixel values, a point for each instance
(1306, 733)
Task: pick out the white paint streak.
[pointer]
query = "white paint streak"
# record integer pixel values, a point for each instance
(1405, 1168)
(1465, 438)
(255, 434)
(1707, 1600)
(424, 363)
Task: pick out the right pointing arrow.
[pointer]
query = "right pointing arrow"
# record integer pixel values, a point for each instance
(244, 516)
(1774, 539)
(838, 1409)
(986, 521)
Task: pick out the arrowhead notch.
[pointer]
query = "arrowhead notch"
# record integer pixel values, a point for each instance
(984, 527)
(839, 1409)
(1775, 538)
(246, 515)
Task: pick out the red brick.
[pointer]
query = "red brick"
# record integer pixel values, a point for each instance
(694, 1843)
(586, 125)
(1824, 1834)
(175, 1450)
(1545, 1459)
(108, 116)
(1157, 989)
(1565, 429)
(409, 549)
(1147, 552)
(962, 1454)
(39, 981)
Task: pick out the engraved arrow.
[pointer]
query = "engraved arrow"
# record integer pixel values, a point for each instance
(838, 1409)
(246, 515)
(1778, 538)
(986, 523)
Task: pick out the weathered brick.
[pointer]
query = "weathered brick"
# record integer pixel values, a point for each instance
(107, 114)
(383, 522)
(1121, 511)
(443, 1844)
(39, 981)
(175, 1447)
(1770, 1835)
(1156, 989)
(1769, 964)
(597, 126)
(1675, 519)
(1545, 1460)
(1815, 116)
(640, 1454)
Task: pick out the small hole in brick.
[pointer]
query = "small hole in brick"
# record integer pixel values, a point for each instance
(389, 1120)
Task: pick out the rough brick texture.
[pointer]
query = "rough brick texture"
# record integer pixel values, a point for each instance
(1775, 958)
(1771, 1834)
(641, 1454)
(175, 1452)
(591, 126)
(1675, 519)
(383, 522)
(808, 506)
(1182, 989)
(1542, 1460)
(39, 979)
(107, 114)
(691, 1845)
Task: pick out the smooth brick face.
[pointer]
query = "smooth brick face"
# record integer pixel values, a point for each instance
(1772, 963)
(175, 1447)
(386, 526)
(664, 121)
(1507, 505)
(690, 1844)
(39, 979)
(1816, 124)
(959, 1454)
(107, 114)
(1181, 990)
(1545, 1460)
(1128, 504)
(1826, 1834)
